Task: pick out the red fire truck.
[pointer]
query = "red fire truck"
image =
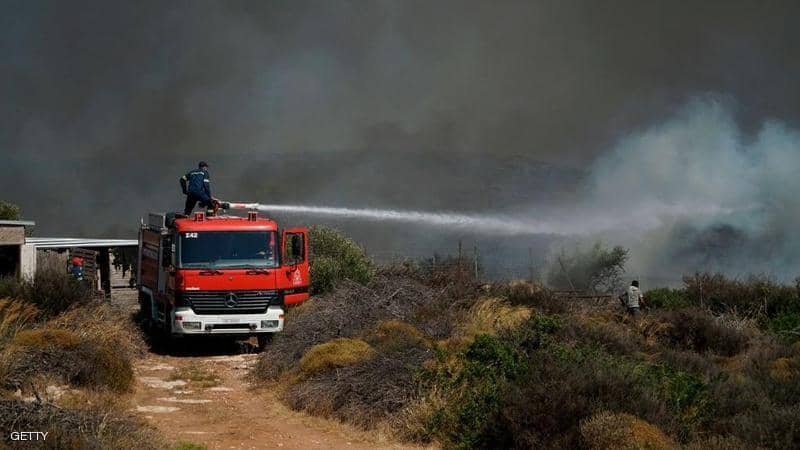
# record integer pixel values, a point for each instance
(225, 276)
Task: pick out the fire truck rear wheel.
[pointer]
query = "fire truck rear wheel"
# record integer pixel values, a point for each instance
(263, 340)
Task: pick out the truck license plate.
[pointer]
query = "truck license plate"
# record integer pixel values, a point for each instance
(230, 320)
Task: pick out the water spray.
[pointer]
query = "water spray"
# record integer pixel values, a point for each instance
(499, 224)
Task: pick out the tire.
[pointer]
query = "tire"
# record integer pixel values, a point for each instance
(166, 332)
(263, 340)
(145, 310)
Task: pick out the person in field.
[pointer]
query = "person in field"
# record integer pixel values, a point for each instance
(632, 299)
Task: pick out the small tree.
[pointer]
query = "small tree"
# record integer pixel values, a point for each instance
(335, 257)
(9, 211)
(597, 269)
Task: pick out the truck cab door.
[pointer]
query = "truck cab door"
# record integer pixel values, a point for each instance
(294, 278)
(166, 256)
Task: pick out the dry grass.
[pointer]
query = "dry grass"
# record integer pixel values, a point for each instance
(394, 335)
(340, 352)
(492, 315)
(784, 369)
(607, 430)
(76, 347)
(99, 322)
(47, 338)
(14, 316)
(197, 377)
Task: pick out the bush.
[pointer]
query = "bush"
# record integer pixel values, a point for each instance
(80, 349)
(335, 257)
(396, 335)
(666, 298)
(9, 211)
(697, 330)
(91, 427)
(566, 385)
(351, 310)
(364, 393)
(340, 352)
(63, 354)
(607, 430)
(613, 337)
(596, 269)
(757, 296)
(52, 290)
(473, 389)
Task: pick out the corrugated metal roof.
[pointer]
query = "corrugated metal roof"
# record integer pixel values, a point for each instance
(45, 242)
(18, 223)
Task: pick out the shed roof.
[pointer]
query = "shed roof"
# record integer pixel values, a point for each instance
(45, 242)
(17, 223)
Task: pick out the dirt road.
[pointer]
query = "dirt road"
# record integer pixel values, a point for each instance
(206, 399)
(203, 397)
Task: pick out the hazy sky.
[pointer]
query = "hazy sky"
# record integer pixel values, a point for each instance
(460, 105)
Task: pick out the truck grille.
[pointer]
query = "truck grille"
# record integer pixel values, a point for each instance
(231, 302)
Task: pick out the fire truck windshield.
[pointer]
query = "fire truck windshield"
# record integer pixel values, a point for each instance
(227, 249)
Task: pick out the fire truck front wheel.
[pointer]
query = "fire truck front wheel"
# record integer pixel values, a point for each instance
(263, 340)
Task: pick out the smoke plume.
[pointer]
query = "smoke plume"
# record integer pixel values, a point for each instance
(547, 112)
(698, 193)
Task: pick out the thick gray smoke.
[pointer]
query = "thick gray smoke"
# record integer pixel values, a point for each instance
(705, 195)
(468, 107)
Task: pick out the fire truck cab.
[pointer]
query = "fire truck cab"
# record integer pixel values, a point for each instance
(225, 276)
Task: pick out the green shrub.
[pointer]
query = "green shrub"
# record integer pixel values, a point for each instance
(9, 211)
(785, 324)
(666, 298)
(335, 257)
(469, 417)
(684, 394)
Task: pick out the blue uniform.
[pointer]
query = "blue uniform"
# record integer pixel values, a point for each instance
(197, 185)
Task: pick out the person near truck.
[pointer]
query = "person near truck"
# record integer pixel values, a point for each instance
(196, 184)
(76, 268)
(632, 299)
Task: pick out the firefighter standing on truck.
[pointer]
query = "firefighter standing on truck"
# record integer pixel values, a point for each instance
(197, 186)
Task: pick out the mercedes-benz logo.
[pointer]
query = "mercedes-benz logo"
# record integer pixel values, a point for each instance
(231, 300)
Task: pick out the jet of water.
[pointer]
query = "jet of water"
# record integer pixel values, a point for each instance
(571, 225)
(497, 224)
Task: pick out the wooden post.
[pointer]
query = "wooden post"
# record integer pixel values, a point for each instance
(104, 263)
(566, 274)
(475, 253)
(459, 253)
(530, 262)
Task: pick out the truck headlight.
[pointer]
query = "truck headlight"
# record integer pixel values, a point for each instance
(270, 323)
(191, 325)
